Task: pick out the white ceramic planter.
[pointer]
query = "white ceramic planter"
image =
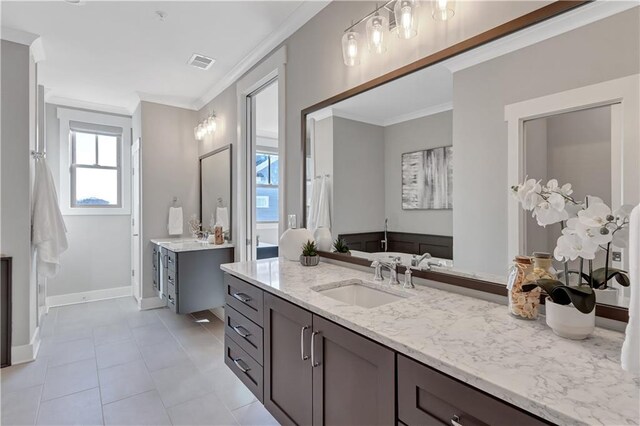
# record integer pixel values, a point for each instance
(607, 296)
(291, 242)
(568, 322)
(323, 239)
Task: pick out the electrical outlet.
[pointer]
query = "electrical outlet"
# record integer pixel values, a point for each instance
(616, 256)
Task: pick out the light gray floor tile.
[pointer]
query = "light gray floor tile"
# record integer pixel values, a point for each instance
(67, 352)
(128, 304)
(180, 384)
(116, 353)
(207, 356)
(163, 355)
(229, 388)
(214, 325)
(254, 414)
(151, 334)
(21, 406)
(124, 380)
(143, 409)
(114, 332)
(82, 408)
(79, 329)
(25, 375)
(70, 378)
(176, 322)
(142, 318)
(205, 410)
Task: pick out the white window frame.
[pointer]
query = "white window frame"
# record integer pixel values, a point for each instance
(65, 116)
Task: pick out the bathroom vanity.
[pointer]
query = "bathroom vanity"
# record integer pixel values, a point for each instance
(186, 273)
(326, 344)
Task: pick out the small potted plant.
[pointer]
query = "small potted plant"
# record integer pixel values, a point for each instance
(309, 256)
(340, 246)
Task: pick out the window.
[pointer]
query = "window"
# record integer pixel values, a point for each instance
(267, 176)
(95, 170)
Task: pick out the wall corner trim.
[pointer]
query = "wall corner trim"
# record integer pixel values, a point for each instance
(26, 353)
(153, 302)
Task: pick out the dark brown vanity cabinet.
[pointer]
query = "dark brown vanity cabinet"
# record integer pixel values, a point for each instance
(317, 372)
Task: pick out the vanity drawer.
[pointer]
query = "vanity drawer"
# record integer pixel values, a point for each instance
(244, 332)
(244, 298)
(428, 397)
(172, 301)
(172, 259)
(244, 367)
(171, 280)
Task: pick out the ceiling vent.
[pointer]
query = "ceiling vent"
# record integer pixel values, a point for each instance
(201, 62)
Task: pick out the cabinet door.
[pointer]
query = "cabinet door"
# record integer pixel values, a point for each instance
(287, 368)
(353, 378)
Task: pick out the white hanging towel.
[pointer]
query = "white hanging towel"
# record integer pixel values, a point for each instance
(49, 233)
(631, 347)
(312, 218)
(175, 221)
(222, 216)
(324, 214)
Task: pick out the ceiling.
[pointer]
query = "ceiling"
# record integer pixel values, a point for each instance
(422, 93)
(111, 54)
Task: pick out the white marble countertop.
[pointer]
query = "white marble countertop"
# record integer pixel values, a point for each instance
(478, 342)
(178, 245)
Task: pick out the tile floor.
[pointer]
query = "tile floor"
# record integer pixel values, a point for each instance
(108, 363)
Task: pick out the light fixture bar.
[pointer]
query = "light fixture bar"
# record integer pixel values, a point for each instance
(369, 15)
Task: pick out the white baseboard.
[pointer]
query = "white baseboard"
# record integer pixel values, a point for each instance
(219, 312)
(89, 296)
(26, 353)
(154, 302)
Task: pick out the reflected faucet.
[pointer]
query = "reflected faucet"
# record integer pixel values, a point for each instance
(415, 260)
(385, 242)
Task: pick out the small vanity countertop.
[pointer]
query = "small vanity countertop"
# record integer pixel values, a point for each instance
(476, 341)
(178, 245)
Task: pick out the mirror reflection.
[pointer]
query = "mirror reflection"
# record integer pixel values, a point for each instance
(420, 168)
(215, 190)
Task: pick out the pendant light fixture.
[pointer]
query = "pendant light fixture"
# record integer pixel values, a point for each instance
(406, 20)
(377, 30)
(443, 10)
(205, 127)
(351, 48)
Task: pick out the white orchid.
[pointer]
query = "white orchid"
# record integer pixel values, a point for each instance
(596, 215)
(546, 214)
(594, 234)
(528, 193)
(571, 247)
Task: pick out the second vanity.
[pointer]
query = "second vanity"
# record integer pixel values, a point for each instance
(327, 345)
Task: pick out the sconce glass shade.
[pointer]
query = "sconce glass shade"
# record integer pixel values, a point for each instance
(211, 124)
(351, 48)
(406, 19)
(201, 131)
(443, 10)
(377, 30)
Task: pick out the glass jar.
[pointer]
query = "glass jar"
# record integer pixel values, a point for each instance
(542, 267)
(522, 304)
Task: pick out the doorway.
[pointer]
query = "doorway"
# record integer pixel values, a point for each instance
(135, 220)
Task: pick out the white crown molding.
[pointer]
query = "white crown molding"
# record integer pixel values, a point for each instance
(425, 112)
(74, 103)
(568, 21)
(355, 117)
(37, 50)
(17, 36)
(165, 100)
(321, 114)
(294, 21)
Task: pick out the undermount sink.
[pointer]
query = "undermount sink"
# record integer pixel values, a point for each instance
(358, 293)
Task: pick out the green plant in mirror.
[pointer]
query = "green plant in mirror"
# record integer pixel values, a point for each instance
(309, 249)
(340, 246)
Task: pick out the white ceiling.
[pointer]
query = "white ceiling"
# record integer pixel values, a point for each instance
(422, 93)
(111, 54)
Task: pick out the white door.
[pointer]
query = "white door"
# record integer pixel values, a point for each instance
(135, 219)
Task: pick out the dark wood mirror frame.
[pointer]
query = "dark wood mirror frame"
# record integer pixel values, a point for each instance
(532, 18)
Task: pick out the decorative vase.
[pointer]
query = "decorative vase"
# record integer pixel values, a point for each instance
(607, 296)
(522, 304)
(292, 239)
(309, 260)
(323, 239)
(568, 322)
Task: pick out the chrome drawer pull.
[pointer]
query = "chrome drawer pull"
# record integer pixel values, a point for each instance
(241, 331)
(313, 349)
(244, 368)
(302, 355)
(242, 297)
(455, 421)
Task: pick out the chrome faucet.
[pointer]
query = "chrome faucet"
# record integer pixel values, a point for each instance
(415, 260)
(385, 242)
(392, 266)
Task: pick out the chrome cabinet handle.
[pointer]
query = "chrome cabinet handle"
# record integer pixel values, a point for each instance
(455, 421)
(241, 331)
(242, 297)
(302, 355)
(313, 349)
(170, 260)
(244, 368)
(173, 302)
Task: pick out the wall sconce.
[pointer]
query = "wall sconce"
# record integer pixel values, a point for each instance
(351, 48)
(443, 10)
(405, 15)
(377, 29)
(205, 127)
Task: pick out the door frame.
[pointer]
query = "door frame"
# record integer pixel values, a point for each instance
(136, 267)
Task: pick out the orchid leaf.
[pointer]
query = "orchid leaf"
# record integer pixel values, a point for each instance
(620, 276)
(583, 297)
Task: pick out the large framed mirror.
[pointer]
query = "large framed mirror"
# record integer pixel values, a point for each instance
(215, 189)
(419, 163)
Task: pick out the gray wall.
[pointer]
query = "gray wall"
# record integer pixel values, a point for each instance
(599, 52)
(169, 156)
(415, 135)
(15, 221)
(99, 254)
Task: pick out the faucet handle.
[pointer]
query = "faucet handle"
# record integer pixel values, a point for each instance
(408, 278)
(378, 270)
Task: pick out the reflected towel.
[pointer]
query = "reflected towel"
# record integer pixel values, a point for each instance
(48, 230)
(175, 225)
(631, 348)
(324, 215)
(222, 216)
(312, 218)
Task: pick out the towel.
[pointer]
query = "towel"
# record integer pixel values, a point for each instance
(175, 221)
(324, 215)
(312, 217)
(631, 347)
(49, 233)
(222, 216)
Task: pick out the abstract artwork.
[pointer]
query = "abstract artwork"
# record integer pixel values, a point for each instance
(427, 179)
